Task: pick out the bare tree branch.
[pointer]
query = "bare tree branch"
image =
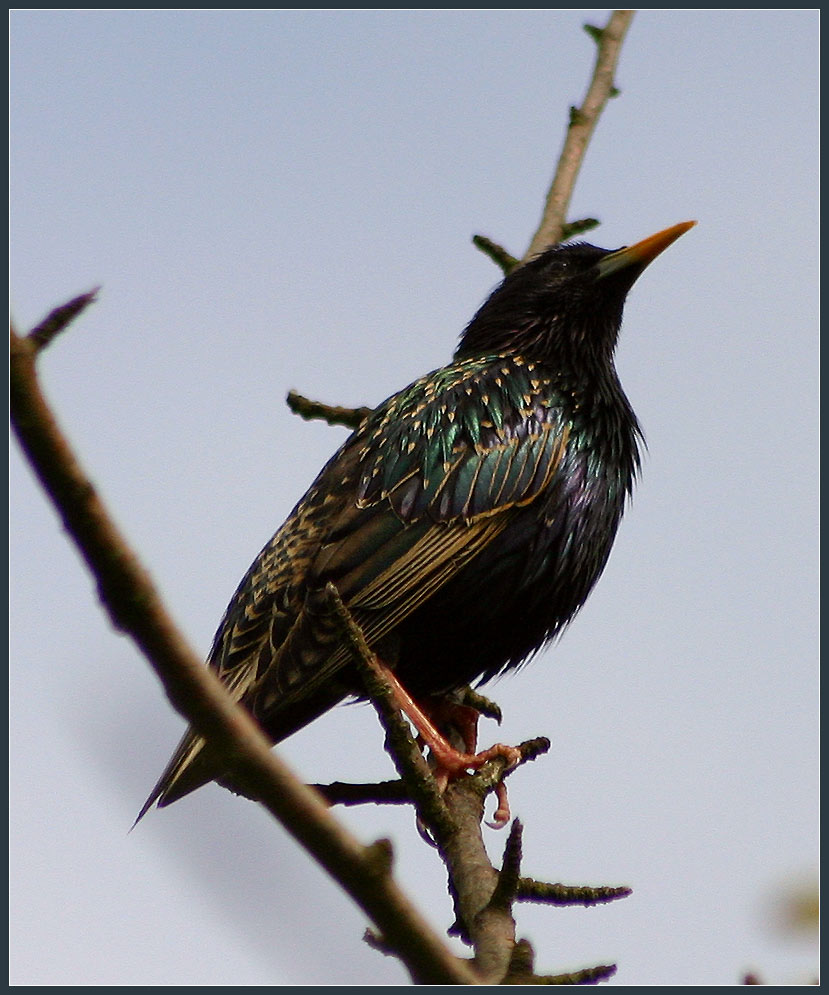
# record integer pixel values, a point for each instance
(497, 253)
(553, 226)
(530, 890)
(135, 608)
(483, 896)
(333, 414)
(589, 976)
(59, 318)
(381, 793)
(573, 228)
(583, 121)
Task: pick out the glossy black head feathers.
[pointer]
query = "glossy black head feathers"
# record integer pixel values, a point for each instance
(566, 302)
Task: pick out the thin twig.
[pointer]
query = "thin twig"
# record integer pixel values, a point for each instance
(332, 414)
(406, 754)
(509, 876)
(497, 253)
(381, 793)
(582, 123)
(486, 706)
(60, 318)
(530, 890)
(573, 228)
(553, 227)
(588, 976)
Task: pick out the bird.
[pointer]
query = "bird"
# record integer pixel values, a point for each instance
(463, 523)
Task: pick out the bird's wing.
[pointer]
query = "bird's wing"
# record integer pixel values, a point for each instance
(411, 498)
(439, 474)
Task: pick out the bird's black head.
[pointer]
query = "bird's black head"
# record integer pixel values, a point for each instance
(565, 304)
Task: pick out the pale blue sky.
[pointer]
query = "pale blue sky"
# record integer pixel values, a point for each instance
(285, 199)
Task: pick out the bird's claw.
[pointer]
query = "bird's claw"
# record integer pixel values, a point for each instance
(463, 763)
(502, 813)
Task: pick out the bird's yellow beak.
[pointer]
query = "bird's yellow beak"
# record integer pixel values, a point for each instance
(642, 252)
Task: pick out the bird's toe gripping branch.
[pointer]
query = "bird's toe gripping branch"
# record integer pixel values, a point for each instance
(449, 762)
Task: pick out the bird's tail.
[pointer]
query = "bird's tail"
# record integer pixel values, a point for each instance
(309, 660)
(189, 768)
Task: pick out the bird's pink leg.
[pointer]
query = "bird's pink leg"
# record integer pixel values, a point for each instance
(451, 763)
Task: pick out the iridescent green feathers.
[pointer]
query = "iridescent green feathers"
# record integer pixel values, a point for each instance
(427, 482)
(470, 440)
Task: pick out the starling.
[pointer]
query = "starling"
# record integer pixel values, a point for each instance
(464, 522)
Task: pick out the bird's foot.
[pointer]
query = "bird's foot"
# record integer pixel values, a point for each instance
(449, 768)
(451, 763)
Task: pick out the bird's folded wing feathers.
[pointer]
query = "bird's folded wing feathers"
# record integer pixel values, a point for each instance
(408, 502)
(393, 548)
